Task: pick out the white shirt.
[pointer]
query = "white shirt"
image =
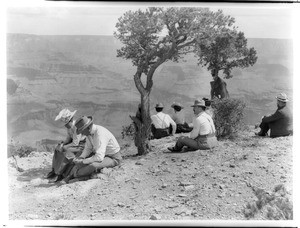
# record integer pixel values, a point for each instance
(73, 135)
(202, 125)
(162, 120)
(102, 142)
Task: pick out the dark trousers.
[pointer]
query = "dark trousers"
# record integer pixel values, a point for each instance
(109, 161)
(62, 161)
(264, 128)
(160, 133)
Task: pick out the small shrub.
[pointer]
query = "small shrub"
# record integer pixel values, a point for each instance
(277, 204)
(228, 117)
(128, 131)
(18, 149)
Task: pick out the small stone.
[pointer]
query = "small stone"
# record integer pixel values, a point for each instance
(139, 163)
(121, 204)
(189, 187)
(231, 165)
(154, 217)
(185, 183)
(164, 185)
(182, 195)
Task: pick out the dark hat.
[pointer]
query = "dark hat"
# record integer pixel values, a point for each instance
(82, 123)
(199, 103)
(159, 105)
(175, 104)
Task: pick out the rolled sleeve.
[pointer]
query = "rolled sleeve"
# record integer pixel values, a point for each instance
(99, 148)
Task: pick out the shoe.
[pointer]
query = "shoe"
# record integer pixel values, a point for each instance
(172, 149)
(260, 134)
(67, 179)
(51, 174)
(56, 179)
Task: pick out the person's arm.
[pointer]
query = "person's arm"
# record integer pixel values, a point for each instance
(100, 144)
(276, 116)
(173, 125)
(196, 129)
(68, 139)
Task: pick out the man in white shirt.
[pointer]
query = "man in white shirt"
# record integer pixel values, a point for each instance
(161, 123)
(101, 149)
(203, 134)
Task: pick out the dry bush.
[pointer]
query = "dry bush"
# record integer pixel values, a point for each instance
(228, 117)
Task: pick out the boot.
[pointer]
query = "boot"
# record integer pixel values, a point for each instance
(56, 179)
(51, 174)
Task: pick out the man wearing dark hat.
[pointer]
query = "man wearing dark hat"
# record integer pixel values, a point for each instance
(101, 149)
(179, 119)
(280, 123)
(203, 134)
(162, 123)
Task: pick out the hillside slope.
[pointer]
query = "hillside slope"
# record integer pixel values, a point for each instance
(199, 185)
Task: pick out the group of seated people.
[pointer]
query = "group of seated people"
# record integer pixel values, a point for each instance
(163, 125)
(202, 130)
(89, 148)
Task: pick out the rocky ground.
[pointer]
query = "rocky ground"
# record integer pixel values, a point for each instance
(198, 185)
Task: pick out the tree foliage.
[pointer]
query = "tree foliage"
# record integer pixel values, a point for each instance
(226, 52)
(156, 35)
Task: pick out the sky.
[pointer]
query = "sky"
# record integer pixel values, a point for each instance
(99, 18)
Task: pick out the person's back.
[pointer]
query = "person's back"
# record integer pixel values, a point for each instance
(162, 124)
(281, 122)
(283, 125)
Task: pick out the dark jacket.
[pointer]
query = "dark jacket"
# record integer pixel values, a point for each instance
(280, 123)
(218, 89)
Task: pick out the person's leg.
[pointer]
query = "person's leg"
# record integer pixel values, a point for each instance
(95, 166)
(264, 128)
(185, 141)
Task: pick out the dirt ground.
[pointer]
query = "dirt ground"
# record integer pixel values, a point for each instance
(200, 185)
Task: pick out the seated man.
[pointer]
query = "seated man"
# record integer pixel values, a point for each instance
(179, 119)
(101, 150)
(280, 123)
(64, 152)
(162, 124)
(203, 134)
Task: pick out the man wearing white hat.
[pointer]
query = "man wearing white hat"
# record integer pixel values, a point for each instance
(280, 123)
(66, 150)
(101, 150)
(202, 137)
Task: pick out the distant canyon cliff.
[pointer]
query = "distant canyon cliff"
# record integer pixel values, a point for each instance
(48, 73)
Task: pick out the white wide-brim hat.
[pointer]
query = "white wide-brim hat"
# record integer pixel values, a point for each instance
(65, 115)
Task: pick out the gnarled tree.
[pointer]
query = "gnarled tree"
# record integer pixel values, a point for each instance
(156, 35)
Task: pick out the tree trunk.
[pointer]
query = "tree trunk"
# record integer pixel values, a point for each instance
(144, 128)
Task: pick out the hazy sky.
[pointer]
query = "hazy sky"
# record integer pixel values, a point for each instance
(255, 20)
